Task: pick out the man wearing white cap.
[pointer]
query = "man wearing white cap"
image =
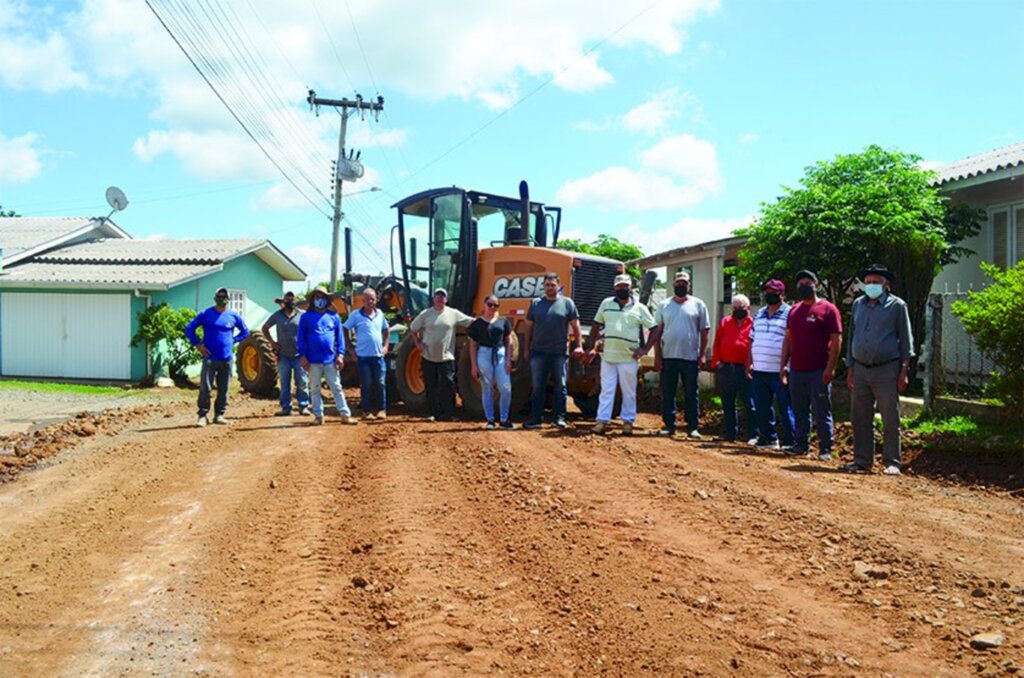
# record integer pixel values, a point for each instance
(434, 333)
(621, 320)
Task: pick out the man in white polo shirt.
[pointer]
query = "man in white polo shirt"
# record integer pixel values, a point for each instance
(621, 320)
(764, 365)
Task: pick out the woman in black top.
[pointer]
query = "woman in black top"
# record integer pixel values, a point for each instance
(490, 346)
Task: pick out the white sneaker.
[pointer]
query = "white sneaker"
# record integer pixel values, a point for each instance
(892, 470)
(202, 421)
(825, 456)
(696, 434)
(220, 419)
(774, 445)
(348, 420)
(382, 415)
(752, 441)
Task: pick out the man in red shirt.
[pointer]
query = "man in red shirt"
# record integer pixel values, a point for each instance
(729, 362)
(814, 336)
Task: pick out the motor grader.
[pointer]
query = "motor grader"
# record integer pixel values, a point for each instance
(474, 244)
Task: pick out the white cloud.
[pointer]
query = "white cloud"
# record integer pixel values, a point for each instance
(19, 158)
(749, 138)
(931, 164)
(367, 136)
(686, 231)
(676, 172)
(217, 156)
(283, 196)
(654, 114)
(35, 56)
(315, 261)
(583, 75)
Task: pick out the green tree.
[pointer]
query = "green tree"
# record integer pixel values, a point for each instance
(7, 213)
(992, 317)
(606, 246)
(871, 207)
(161, 323)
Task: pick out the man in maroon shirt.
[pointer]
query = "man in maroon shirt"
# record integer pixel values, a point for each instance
(814, 336)
(729, 357)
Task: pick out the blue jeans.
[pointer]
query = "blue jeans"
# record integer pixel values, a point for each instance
(329, 373)
(732, 382)
(287, 369)
(373, 395)
(767, 388)
(543, 365)
(492, 372)
(672, 369)
(809, 395)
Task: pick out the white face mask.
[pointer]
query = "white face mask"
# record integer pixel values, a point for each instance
(874, 290)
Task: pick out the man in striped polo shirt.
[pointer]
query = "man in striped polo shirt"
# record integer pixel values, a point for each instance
(764, 365)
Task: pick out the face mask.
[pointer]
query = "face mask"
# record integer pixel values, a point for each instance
(805, 291)
(221, 300)
(320, 303)
(289, 305)
(772, 299)
(739, 313)
(682, 290)
(873, 290)
(622, 294)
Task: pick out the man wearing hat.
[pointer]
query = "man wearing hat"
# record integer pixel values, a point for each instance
(222, 329)
(433, 330)
(681, 344)
(285, 322)
(878, 369)
(321, 344)
(764, 365)
(814, 335)
(621, 320)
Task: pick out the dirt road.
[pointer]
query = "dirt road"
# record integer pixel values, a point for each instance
(407, 548)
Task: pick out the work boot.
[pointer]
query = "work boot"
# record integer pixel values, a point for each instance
(599, 428)
(305, 411)
(627, 428)
(347, 420)
(283, 413)
(317, 421)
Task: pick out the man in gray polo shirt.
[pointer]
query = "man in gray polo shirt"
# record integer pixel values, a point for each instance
(681, 343)
(286, 328)
(878, 368)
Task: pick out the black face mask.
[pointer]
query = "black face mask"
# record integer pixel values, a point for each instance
(739, 313)
(772, 299)
(220, 300)
(681, 290)
(289, 305)
(805, 291)
(622, 294)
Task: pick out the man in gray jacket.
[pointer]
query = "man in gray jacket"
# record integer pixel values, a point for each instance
(878, 368)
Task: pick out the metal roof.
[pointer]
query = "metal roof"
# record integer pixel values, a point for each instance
(21, 237)
(103, 276)
(115, 263)
(663, 258)
(1006, 157)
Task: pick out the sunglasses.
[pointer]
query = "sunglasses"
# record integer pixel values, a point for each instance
(491, 305)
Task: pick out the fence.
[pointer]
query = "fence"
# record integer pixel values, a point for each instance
(953, 363)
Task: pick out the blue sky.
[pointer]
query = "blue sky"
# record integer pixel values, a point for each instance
(664, 123)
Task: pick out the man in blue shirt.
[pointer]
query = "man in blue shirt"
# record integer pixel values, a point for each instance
(222, 329)
(370, 328)
(321, 346)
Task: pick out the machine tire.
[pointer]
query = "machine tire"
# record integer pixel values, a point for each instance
(469, 388)
(257, 365)
(409, 376)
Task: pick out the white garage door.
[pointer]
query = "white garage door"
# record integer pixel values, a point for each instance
(84, 336)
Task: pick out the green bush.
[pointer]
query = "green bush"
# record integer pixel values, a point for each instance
(163, 323)
(992, 318)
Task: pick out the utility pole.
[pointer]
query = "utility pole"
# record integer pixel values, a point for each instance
(345, 168)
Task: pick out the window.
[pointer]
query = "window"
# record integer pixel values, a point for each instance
(1006, 235)
(729, 284)
(236, 301)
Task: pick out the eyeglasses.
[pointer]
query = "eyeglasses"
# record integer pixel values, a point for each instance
(491, 305)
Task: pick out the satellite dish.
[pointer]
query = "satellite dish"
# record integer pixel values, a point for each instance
(116, 199)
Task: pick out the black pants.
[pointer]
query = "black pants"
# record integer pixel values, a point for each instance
(439, 379)
(214, 372)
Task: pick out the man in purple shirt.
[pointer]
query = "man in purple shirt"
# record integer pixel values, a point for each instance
(222, 329)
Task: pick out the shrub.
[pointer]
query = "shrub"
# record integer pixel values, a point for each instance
(163, 323)
(992, 317)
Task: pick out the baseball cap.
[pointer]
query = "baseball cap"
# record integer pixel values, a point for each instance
(440, 291)
(623, 279)
(774, 285)
(807, 274)
(682, 275)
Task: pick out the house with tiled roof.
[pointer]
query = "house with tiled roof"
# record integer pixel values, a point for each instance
(71, 291)
(994, 183)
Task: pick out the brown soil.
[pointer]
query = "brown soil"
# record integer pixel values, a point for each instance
(406, 548)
